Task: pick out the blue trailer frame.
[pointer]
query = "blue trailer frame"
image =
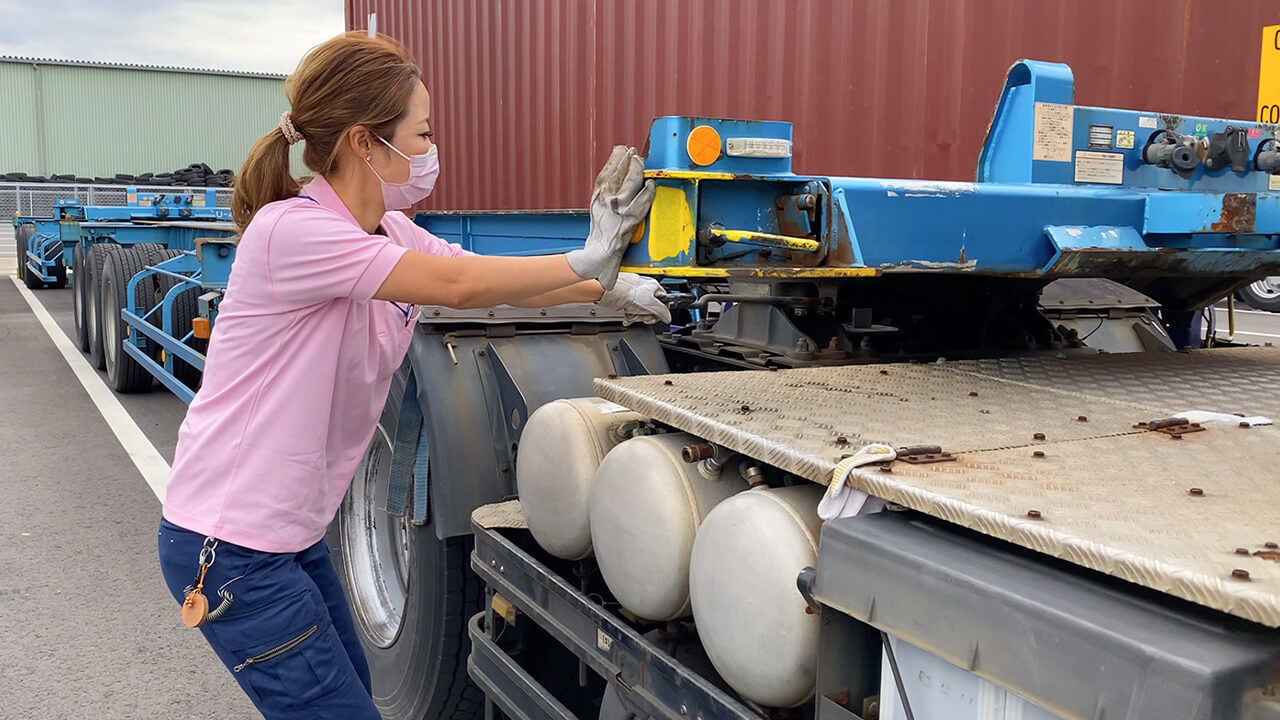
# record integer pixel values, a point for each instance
(1062, 191)
(1096, 207)
(208, 267)
(53, 242)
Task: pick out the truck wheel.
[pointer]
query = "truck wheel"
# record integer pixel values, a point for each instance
(411, 593)
(93, 294)
(60, 273)
(185, 308)
(124, 373)
(21, 235)
(1263, 294)
(32, 280)
(79, 282)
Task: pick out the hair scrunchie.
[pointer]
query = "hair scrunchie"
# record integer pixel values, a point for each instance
(291, 134)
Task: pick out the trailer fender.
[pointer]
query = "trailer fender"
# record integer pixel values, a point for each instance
(474, 409)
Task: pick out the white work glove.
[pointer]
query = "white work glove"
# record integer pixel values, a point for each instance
(842, 500)
(619, 203)
(638, 298)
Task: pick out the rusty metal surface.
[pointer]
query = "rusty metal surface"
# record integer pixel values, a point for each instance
(1047, 453)
(1124, 506)
(528, 96)
(1239, 213)
(804, 420)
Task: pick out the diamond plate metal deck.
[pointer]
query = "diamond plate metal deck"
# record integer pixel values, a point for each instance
(1109, 497)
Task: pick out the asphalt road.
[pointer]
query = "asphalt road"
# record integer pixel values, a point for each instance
(86, 626)
(1253, 327)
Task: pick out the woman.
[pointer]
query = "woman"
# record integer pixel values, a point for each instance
(318, 315)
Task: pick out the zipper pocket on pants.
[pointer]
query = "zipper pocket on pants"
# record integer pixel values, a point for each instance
(277, 650)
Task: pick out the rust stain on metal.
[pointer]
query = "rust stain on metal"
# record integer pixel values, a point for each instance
(1272, 555)
(1239, 213)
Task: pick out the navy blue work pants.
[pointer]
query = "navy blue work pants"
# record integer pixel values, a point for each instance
(288, 637)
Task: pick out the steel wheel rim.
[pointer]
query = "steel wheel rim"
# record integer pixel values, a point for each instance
(110, 344)
(376, 547)
(93, 316)
(77, 302)
(1267, 288)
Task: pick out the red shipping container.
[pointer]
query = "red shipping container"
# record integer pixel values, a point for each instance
(528, 95)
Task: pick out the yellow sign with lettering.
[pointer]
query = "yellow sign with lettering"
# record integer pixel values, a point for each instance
(1269, 77)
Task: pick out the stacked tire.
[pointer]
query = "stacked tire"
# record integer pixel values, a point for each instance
(193, 175)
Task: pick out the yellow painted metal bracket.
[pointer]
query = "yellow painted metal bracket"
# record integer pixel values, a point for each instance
(788, 242)
(687, 175)
(783, 273)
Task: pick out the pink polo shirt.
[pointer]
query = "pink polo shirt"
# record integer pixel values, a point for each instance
(298, 370)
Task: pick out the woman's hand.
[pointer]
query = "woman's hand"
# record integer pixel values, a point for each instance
(619, 204)
(639, 299)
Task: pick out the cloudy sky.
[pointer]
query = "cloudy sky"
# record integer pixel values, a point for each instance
(252, 35)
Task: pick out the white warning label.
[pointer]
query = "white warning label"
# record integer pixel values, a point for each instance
(1099, 167)
(1052, 135)
(1147, 121)
(1273, 183)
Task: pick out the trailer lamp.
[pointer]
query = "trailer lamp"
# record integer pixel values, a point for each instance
(758, 147)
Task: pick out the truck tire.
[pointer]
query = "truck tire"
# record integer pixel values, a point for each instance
(21, 234)
(30, 279)
(411, 593)
(184, 309)
(1263, 294)
(93, 293)
(79, 284)
(124, 373)
(60, 271)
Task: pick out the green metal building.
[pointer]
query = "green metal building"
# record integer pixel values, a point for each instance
(98, 119)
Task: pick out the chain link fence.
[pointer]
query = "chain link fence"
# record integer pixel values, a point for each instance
(37, 199)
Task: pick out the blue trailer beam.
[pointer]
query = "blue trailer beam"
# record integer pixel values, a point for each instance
(1188, 206)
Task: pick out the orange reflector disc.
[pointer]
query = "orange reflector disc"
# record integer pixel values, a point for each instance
(703, 145)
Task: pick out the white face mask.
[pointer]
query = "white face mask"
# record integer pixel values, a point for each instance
(423, 171)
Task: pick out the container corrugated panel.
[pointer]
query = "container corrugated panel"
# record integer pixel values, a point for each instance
(528, 96)
(99, 121)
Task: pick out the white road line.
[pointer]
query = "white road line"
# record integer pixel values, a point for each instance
(145, 457)
(1223, 334)
(1249, 312)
